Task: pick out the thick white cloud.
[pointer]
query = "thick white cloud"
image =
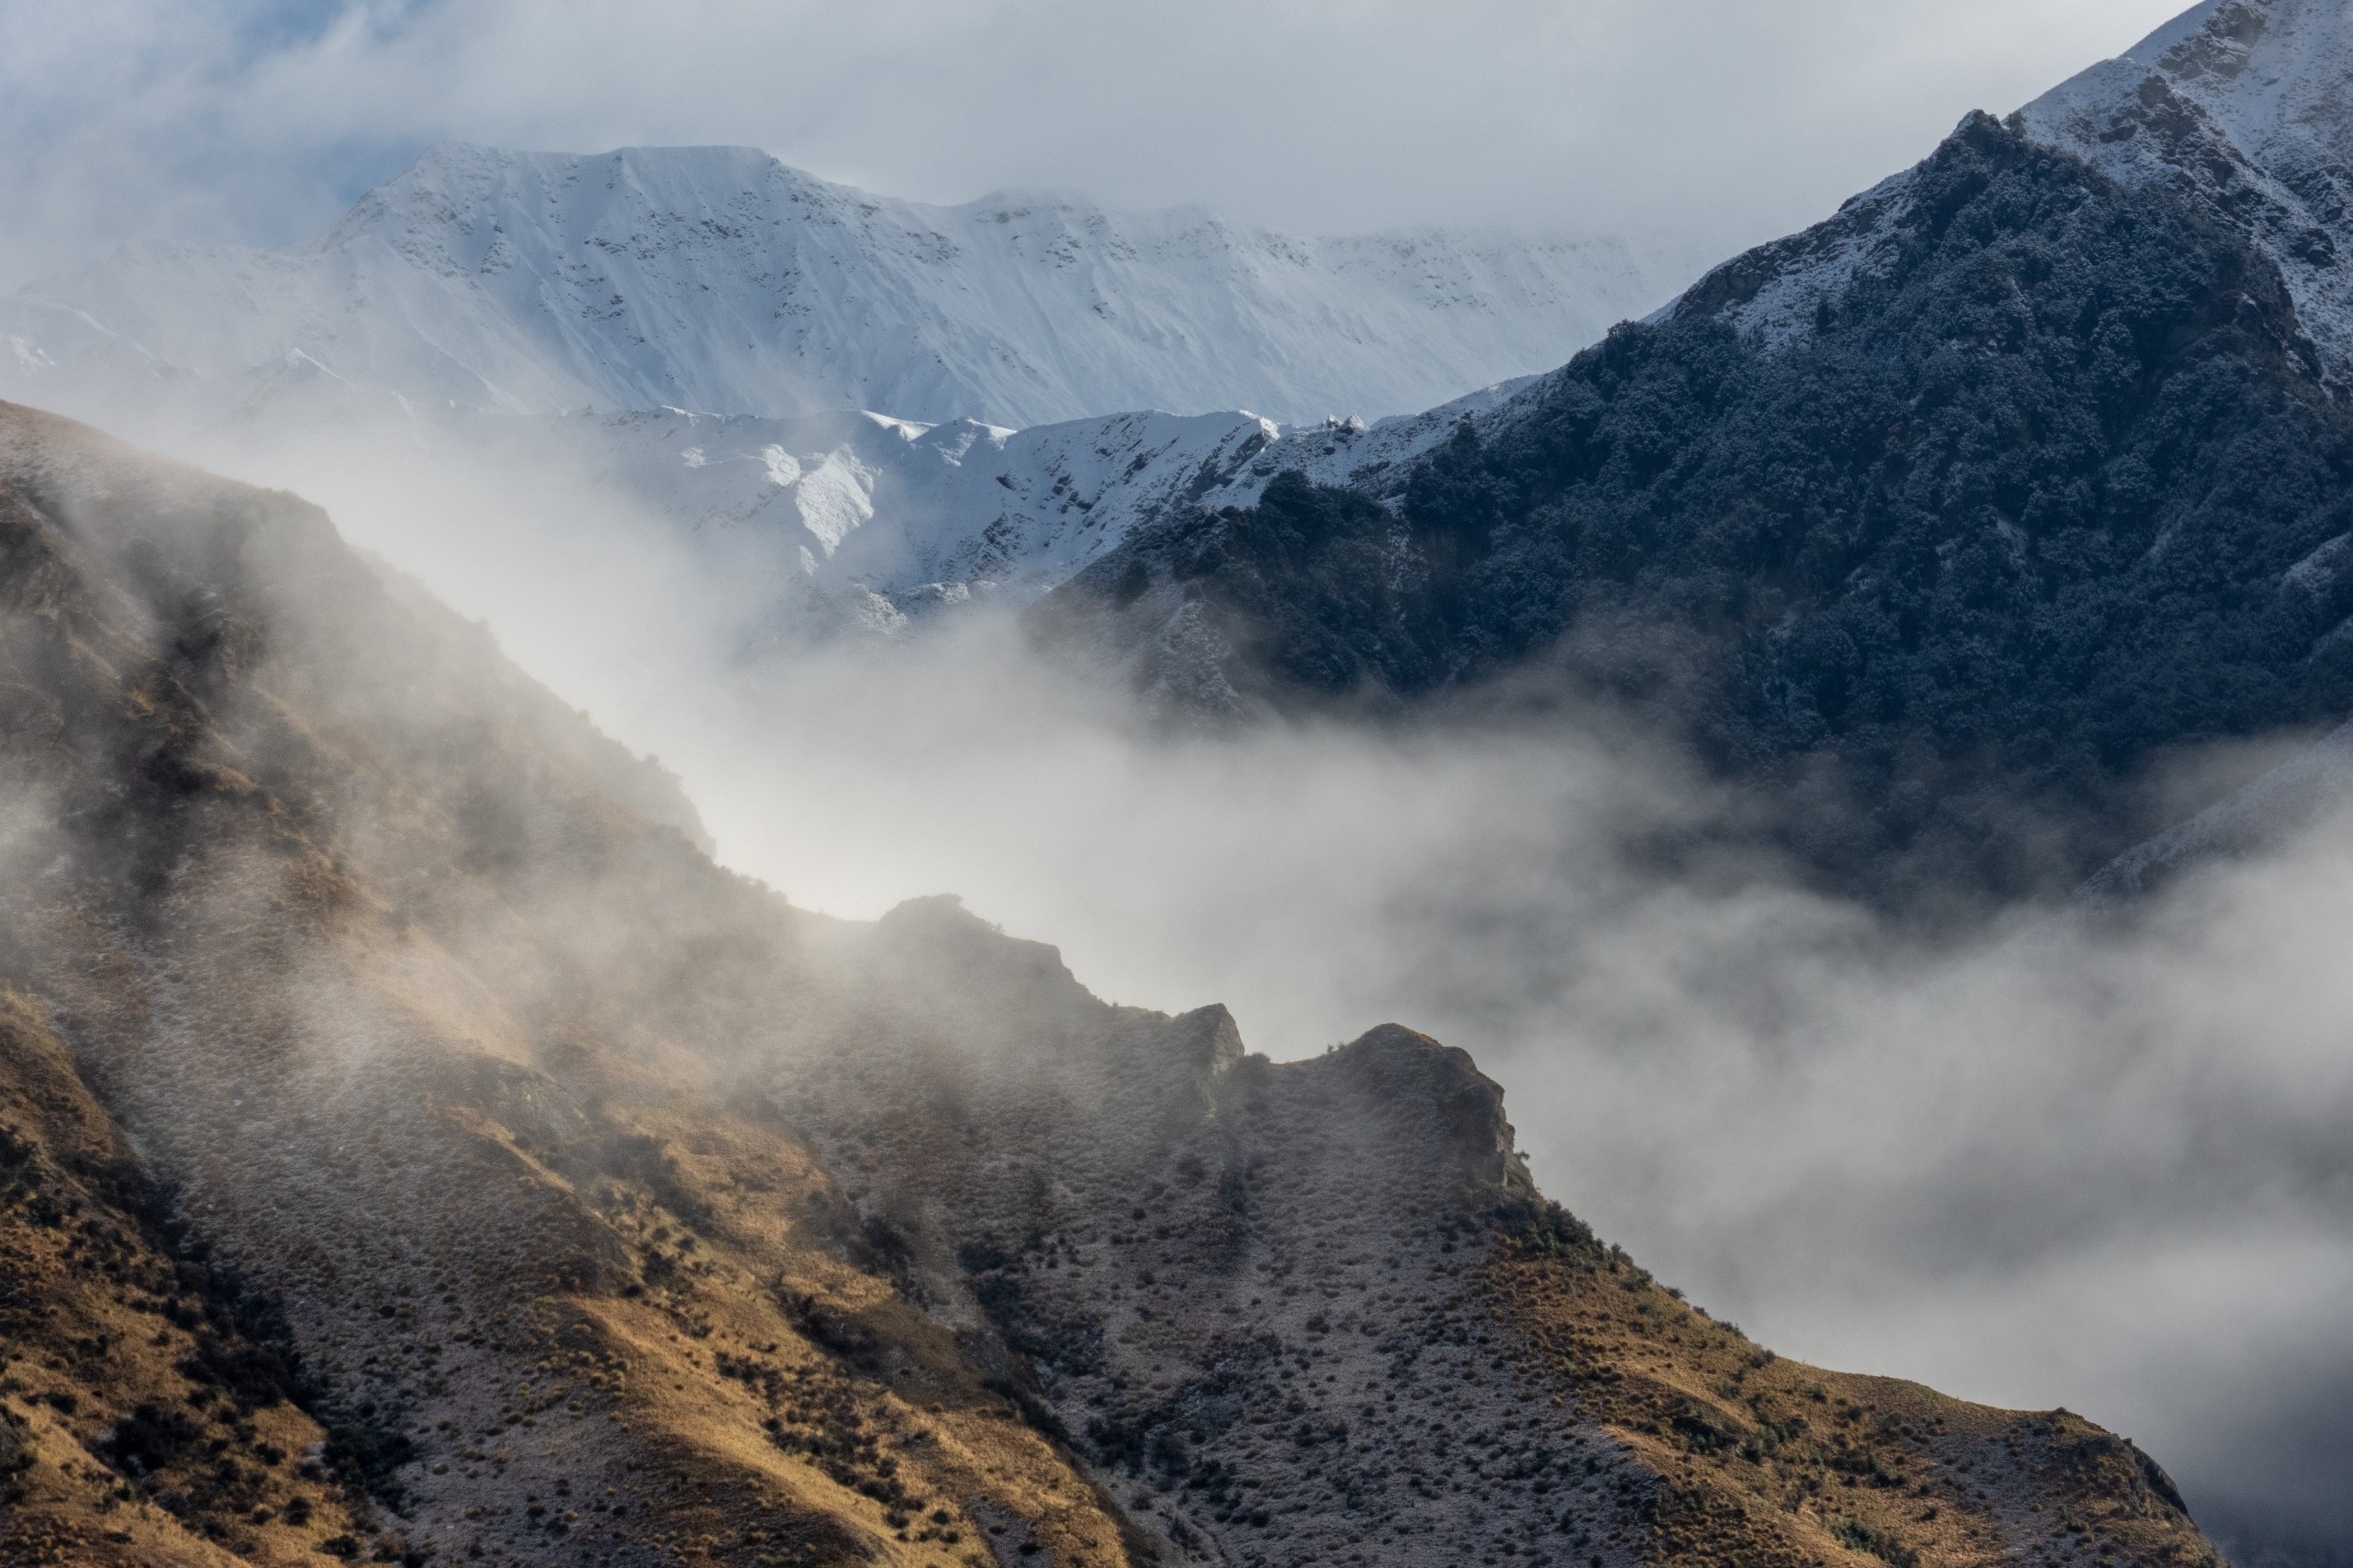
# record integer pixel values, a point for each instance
(1716, 120)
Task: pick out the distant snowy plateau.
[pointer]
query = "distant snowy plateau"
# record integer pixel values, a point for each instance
(697, 326)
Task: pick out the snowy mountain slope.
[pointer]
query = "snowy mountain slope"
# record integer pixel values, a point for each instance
(1774, 291)
(873, 521)
(2243, 107)
(2260, 814)
(58, 356)
(2246, 108)
(842, 519)
(2056, 480)
(718, 279)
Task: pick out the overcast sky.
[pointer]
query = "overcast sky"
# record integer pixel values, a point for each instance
(1715, 123)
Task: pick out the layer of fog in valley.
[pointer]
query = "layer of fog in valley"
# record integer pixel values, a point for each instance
(2051, 1162)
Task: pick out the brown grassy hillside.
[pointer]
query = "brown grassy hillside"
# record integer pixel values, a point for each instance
(418, 1151)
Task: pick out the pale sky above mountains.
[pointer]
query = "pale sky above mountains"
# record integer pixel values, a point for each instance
(1712, 123)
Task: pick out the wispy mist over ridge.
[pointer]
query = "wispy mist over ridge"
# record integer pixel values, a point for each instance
(469, 1136)
(2021, 1163)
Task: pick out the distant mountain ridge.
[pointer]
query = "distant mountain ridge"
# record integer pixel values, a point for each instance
(1942, 520)
(857, 520)
(717, 279)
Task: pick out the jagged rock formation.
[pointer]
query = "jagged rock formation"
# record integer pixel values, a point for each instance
(502, 1181)
(1937, 521)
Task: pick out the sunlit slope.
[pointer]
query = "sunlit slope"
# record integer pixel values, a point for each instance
(1772, 1461)
(136, 1370)
(591, 1204)
(318, 937)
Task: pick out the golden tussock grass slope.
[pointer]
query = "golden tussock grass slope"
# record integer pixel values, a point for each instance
(143, 1421)
(521, 1188)
(315, 940)
(1768, 1461)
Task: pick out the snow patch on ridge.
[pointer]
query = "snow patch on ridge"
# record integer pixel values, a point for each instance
(2245, 108)
(854, 520)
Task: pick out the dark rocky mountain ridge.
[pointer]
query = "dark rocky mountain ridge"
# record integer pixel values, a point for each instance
(1945, 523)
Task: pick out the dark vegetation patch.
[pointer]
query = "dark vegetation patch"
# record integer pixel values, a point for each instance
(149, 1439)
(1542, 1225)
(843, 1335)
(1878, 1543)
(1948, 573)
(197, 1454)
(635, 1157)
(1071, 1346)
(1156, 1437)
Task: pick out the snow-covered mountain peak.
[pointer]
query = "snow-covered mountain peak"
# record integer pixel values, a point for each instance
(2270, 73)
(2242, 108)
(2246, 108)
(462, 188)
(721, 279)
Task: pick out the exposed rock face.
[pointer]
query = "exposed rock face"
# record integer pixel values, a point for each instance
(1248, 1292)
(449, 1125)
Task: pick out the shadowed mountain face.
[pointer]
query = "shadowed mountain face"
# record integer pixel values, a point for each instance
(1942, 520)
(412, 1148)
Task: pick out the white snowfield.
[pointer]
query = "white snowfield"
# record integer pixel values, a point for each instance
(859, 520)
(717, 279)
(2246, 105)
